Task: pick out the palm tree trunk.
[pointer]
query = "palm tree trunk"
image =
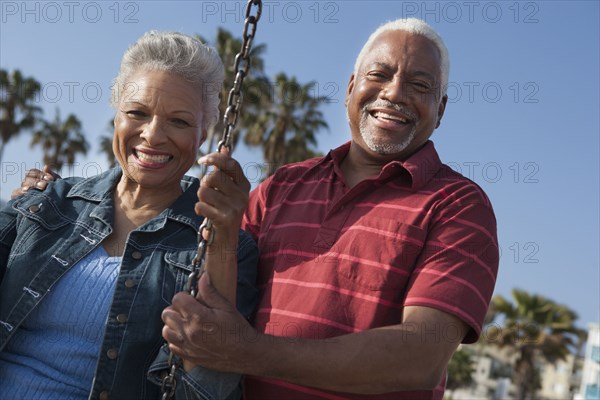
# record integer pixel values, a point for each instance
(212, 137)
(210, 140)
(525, 375)
(520, 380)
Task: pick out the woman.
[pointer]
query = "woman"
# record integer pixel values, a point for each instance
(88, 265)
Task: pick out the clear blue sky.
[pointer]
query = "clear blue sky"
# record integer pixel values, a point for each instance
(522, 119)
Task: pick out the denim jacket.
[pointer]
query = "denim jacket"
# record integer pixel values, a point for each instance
(43, 234)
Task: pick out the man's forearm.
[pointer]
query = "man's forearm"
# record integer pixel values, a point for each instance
(408, 356)
(401, 357)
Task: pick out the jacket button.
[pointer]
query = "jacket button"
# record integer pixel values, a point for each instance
(103, 395)
(122, 318)
(112, 354)
(136, 255)
(129, 283)
(34, 208)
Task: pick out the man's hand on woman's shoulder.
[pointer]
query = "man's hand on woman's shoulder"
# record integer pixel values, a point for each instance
(35, 179)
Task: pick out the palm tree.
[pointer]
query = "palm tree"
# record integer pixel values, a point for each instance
(106, 144)
(536, 328)
(227, 47)
(17, 103)
(61, 141)
(286, 128)
(460, 370)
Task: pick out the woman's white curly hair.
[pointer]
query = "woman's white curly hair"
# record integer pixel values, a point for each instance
(181, 55)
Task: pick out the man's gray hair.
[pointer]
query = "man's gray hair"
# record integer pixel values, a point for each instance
(181, 55)
(418, 27)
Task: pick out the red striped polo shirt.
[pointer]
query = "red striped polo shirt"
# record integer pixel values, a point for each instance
(335, 260)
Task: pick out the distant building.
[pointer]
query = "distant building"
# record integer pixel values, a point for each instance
(493, 372)
(560, 380)
(590, 374)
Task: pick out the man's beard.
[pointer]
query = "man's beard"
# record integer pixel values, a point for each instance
(383, 148)
(369, 138)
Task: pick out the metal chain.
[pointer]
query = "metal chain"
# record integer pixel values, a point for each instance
(241, 68)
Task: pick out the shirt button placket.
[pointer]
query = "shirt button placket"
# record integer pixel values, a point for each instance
(129, 282)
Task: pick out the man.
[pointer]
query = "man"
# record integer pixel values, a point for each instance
(376, 261)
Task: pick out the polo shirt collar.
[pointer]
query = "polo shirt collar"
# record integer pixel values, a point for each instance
(420, 166)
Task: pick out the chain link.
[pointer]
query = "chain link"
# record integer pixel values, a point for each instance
(206, 232)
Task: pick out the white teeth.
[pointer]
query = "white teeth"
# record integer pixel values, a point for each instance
(152, 158)
(379, 114)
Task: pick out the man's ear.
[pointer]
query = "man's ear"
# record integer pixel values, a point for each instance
(441, 109)
(349, 89)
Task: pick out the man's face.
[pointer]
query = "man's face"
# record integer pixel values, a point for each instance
(393, 102)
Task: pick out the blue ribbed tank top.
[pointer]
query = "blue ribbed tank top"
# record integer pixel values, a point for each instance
(53, 354)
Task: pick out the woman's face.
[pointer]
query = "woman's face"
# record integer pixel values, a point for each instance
(158, 129)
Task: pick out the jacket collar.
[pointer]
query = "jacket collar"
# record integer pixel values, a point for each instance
(99, 189)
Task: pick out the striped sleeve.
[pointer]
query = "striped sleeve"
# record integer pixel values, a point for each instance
(456, 271)
(256, 206)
